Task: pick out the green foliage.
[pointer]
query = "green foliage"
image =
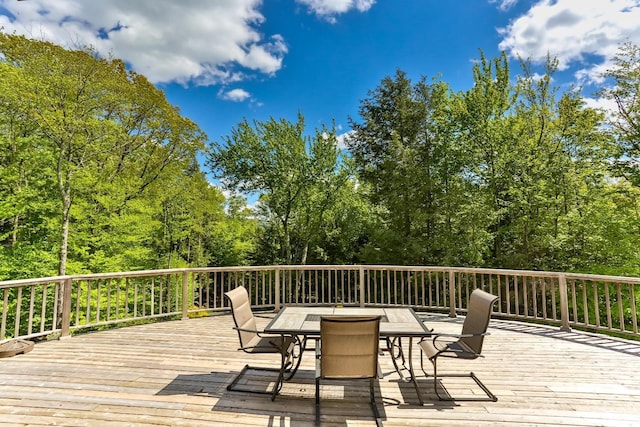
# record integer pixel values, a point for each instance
(105, 135)
(625, 92)
(100, 173)
(299, 181)
(406, 150)
(501, 175)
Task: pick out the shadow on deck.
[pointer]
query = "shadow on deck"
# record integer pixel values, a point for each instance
(176, 373)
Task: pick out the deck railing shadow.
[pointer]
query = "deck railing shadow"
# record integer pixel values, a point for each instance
(598, 340)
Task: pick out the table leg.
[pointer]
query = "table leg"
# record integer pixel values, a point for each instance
(413, 375)
(404, 369)
(397, 357)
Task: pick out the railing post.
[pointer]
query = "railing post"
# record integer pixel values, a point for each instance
(66, 308)
(452, 293)
(564, 303)
(185, 295)
(277, 289)
(361, 271)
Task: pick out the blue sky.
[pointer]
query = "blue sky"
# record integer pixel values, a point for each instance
(221, 61)
(330, 66)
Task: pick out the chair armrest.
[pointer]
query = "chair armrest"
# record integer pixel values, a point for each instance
(437, 337)
(459, 335)
(246, 348)
(255, 331)
(262, 316)
(288, 343)
(247, 330)
(441, 341)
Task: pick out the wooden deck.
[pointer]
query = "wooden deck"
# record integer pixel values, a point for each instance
(175, 374)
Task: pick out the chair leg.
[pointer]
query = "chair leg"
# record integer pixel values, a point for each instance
(491, 397)
(317, 401)
(422, 365)
(234, 387)
(374, 407)
(285, 366)
(372, 400)
(483, 387)
(435, 381)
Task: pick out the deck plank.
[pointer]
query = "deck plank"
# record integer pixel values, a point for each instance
(176, 373)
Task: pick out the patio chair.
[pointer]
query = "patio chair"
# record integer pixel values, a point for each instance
(348, 349)
(253, 341)
(467, 345)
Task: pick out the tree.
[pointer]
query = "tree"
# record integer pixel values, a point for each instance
(625, 74)
(295, 177)
(482, 115)
(109, 131)
(385, 148)
(26, 186)
(195, 229)
(406, 150)
(559, 168)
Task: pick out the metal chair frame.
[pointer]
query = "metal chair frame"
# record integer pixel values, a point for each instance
(370, 376)
(462, 346)
(289, 347)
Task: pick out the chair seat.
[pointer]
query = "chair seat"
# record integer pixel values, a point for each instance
(269, 344)
(452, 349)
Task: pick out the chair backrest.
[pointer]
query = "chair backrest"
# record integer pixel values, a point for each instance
(349, 346)
(242, 314)
(477, 320)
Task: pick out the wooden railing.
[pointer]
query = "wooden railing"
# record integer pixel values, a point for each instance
(59, 306)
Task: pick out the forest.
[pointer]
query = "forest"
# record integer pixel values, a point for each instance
(100, 173)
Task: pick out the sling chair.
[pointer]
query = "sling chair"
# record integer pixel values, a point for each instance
(348, 349)
(467, 345)
(253, 341)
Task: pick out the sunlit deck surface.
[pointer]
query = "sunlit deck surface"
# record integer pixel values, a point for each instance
(175, 373)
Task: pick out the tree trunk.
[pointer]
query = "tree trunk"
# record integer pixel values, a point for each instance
(64, 186)
(64, 237)
(287, 243)
(14, 232)
(305, 251)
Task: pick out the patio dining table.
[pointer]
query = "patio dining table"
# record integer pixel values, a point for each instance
(395, 324)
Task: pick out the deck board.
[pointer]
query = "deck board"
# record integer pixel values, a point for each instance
(176, 373)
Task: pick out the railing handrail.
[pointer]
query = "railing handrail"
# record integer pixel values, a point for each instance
(20, 282)
(355, 267)
(562, 298)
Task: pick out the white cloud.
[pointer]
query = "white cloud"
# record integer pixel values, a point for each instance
(574, 31)
(595, 72)
(328, 9)
(504, 4)
(266, 57)
(342, 139)
(607, 106)
(601, 104)
(236, 95)
(201, 41)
